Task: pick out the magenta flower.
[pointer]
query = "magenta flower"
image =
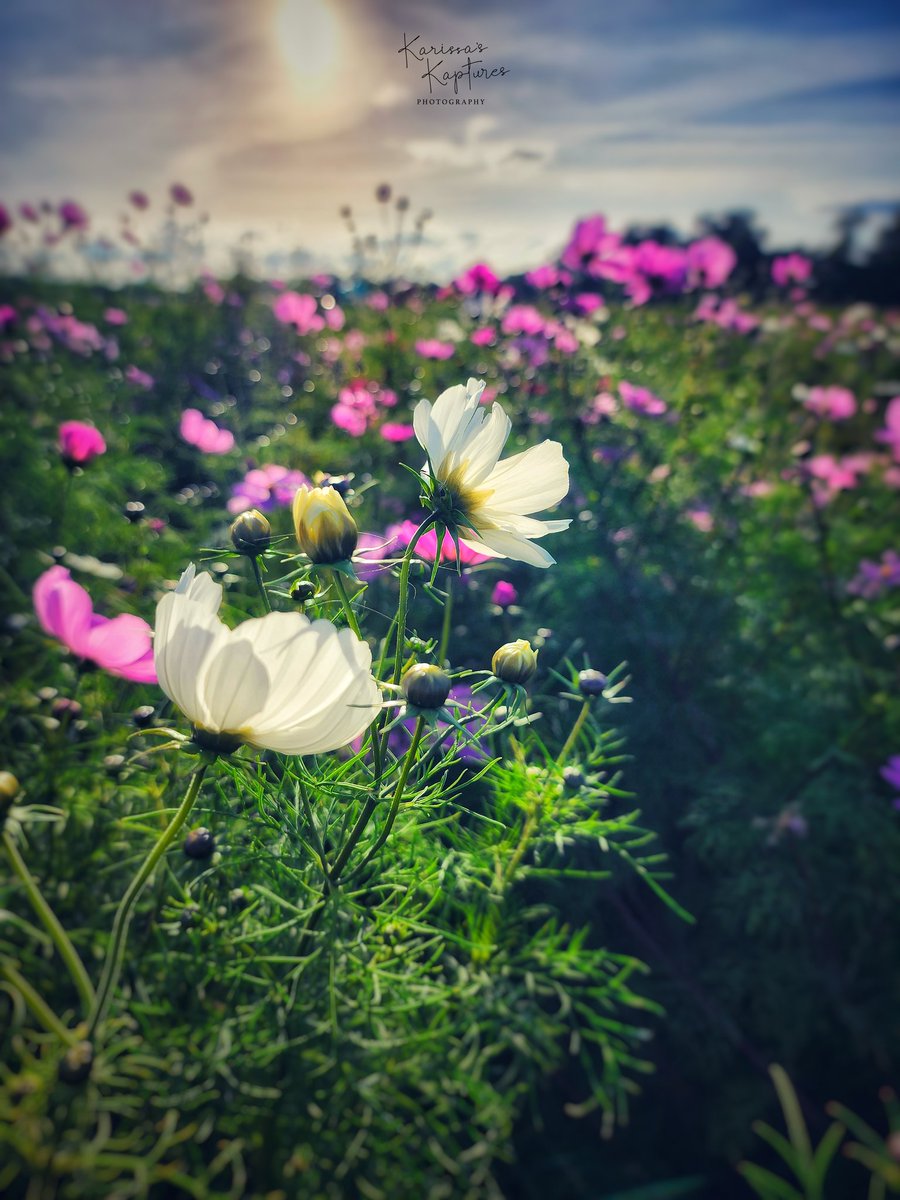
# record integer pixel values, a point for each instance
(292, 308)
(79, 443)
(483, 337)
(265, 488)
(791, 268)
(477, 280)
(181, 195)
(587, 238)
(523, 318)
(710, 261)
(121, 646)
(73, 216)
(139, 378)
(115, 316)
(205, 435)
(392, 431)
(890, 435)
(890, 772)
(139, 200)
(543, 278)
(641, 400)
(831, 403)
(504, 594)
(432, 348)
(8, 315)
(874, 578)
(399, 536)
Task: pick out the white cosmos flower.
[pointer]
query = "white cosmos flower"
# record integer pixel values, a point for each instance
(463, 443)
(280, 682)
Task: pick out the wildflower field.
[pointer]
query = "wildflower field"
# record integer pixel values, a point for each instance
(451, 743)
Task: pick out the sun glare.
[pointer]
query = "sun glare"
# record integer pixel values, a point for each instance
(310, 39)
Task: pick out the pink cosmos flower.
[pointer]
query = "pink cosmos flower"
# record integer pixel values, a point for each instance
(73, 216)
(79, 443)
(121, 646)
(392, 431)
(292, 308)
(641, 400)
(504, 594)
(426, 547)
(7, 315)
(432, 348)
(476, 280)
(890, 435)
(603, 405)
(523, 318)
(710, 261)
(378, 301)
(265, 488)
(139, 378)
(831, 403)
(482, 337)
(181, 195)
(546, 277)
(115, 316)
(204, 434)
(587, 237)
(791, 268)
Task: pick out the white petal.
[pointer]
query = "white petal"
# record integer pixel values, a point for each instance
(499, 544)
(185, 634)
(235, 685)
(530, 481)
(486, 445)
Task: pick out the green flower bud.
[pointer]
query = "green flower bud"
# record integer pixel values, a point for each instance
(426, 686)
(515, 662)
(591, 683)
(325, 530)
(251, 533)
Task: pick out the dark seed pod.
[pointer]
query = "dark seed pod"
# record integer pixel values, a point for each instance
(199, 843)
(133, 511)
(573, 778)
(143, 716)
(75, 1065)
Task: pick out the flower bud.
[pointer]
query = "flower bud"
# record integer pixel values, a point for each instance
(325, 529)
(143, 715)
(515, 662)
(426, 686)
(591, 683)
(251, 533)
(303, 591)
(9, 788)
(573, 778)
(199, 843)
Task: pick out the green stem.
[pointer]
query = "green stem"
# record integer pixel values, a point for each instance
(38, 1005)
(403, 606)
(113, 964)
(345, 603)
(398, 795)
(447, 623)
(50, 921)
(313, 831)
(576, 730)
(257, 573)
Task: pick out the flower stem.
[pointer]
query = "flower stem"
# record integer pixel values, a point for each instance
(576, 730)
(447, 625)
(404, 596)
(38, 1005)
(113, 964)
(345, 603)
(50, 921)
(257, 572)
(398, 795)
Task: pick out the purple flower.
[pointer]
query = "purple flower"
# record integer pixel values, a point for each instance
(73, 216)
(265, 488)
(874, 578)
(890, 772)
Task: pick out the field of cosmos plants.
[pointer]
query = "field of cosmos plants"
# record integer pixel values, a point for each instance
(451, 743)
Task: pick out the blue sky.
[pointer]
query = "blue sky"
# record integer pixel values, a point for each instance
(277, 112)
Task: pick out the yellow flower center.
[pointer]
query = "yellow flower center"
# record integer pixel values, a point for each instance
(468, 499)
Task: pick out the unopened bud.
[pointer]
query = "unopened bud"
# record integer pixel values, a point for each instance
(251, 533)
(199, 843)
(591, 683)
(303, 591)
(515, 662)
(75, 1065)
(326, 532)
(573, 778)
(426, 686)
